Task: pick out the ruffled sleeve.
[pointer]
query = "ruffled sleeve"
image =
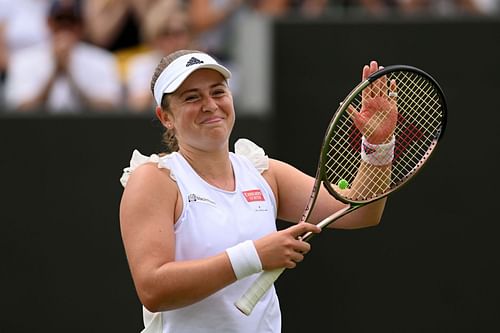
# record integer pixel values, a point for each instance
(137, 160)
(254, 153)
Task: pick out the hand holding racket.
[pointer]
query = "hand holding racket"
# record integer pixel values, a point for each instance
(378, 139)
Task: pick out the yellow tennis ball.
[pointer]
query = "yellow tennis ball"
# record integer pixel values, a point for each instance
(343, 184)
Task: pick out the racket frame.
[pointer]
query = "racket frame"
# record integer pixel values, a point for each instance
(250, 298)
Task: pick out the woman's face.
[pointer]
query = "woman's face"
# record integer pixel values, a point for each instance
(202, 111)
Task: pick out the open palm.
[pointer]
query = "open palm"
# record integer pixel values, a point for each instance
(379, 113)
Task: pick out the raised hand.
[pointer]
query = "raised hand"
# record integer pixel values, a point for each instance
(379, 113)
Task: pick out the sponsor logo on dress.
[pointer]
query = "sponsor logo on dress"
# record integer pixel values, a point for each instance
(196, 198)
(253, 195)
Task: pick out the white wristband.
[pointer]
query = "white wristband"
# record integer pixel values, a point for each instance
(244, 259)
(382, 154)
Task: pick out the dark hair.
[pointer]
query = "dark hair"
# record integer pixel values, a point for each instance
(169, 139)
(65, 10)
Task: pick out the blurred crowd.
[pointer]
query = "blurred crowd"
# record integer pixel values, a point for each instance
(76, 55)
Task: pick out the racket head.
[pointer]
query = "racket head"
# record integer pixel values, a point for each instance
(421, 121)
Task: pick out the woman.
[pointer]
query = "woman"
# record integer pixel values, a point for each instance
(198, 223)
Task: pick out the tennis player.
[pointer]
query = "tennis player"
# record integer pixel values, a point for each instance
(199, 221)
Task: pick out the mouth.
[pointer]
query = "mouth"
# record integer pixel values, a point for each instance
(212, 120)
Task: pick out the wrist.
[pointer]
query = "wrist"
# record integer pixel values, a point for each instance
(378, 154)
(244, 259)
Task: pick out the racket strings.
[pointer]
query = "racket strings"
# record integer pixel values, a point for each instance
(419, 120)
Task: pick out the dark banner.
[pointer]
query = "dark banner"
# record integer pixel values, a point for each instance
(432, 264)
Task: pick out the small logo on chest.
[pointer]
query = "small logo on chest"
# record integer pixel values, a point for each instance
(253, 195)
(196, 198)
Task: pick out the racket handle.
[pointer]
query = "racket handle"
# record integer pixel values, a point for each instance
(251, 297)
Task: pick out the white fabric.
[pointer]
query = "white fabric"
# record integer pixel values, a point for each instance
(137, 160)
(179, 69)
(94, 70)
(25, 22)
(254, 153)
(243, 147)
(215, 220)
(244, 259)
(381, 154)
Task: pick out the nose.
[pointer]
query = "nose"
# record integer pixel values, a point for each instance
(209, 105)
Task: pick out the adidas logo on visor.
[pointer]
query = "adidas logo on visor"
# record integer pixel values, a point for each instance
(193, 61)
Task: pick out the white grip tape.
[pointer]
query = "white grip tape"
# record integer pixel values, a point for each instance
(244, 259)
(247, 302)
(382, 154)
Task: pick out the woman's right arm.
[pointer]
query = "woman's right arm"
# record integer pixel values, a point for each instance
(147, 216)
(148, 210)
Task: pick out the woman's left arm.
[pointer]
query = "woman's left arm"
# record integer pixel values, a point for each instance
(292, 189)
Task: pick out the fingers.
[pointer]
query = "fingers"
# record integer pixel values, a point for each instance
(284, 248)
(381, 85)
(302, 228)
(297, 247)
(393, 93)
(368, 70)
(364, 76)
(353, 113)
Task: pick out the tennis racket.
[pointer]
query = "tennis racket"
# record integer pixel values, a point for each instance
(400, 107)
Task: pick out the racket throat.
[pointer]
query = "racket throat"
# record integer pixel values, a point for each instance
(332, 218)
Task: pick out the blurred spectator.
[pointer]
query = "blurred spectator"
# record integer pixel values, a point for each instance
(115, 24)
(63, 73)
(372, 7)
(165, 29)
(312, 8)
(214, 26)
(213, 23)
(488, 7)
(22, 24)
(448, 7)
(274, 8)
(423, 7)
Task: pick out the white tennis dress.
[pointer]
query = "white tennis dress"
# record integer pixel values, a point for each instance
(213, 220)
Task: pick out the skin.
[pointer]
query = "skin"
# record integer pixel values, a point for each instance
(202, 113)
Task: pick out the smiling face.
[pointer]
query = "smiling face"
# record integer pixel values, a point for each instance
(201, 112)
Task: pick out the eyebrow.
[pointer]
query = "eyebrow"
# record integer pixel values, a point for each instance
(221, 83)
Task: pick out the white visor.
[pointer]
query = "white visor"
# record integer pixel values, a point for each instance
(179, 69)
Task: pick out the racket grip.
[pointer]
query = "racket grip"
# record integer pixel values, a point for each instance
(251, 297)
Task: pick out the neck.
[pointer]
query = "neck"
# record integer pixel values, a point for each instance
(213, 167)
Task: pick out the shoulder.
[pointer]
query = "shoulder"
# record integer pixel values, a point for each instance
(281, 173)
(252, 152)
(278, 170)
(149, 186)
(149, 174)
(150, 166)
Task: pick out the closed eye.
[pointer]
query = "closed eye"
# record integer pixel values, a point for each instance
(219, 92)
(191, 97)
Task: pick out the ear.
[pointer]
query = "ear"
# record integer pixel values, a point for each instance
(164, 117)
